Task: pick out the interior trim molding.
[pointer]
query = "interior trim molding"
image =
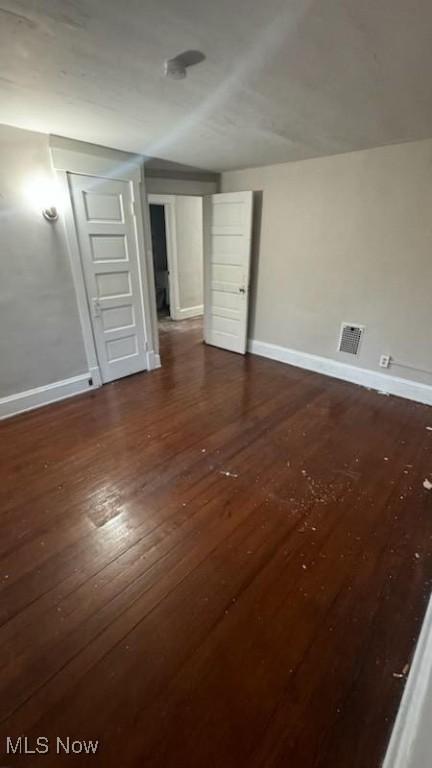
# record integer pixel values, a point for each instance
(68, 156)
(184, 314)
(385, 383)
(74, 156)
(49, 393)
(96, 377)
(412, 725)
(162, 173)
(153, 361)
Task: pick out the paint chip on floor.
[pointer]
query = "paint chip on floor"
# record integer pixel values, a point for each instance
(403, 674)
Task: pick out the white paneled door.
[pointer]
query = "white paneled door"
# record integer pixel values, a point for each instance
(227, 221)
(105, 223)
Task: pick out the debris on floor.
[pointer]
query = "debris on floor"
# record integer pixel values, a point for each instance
(427, 484)
(233, 474)
(403, 674)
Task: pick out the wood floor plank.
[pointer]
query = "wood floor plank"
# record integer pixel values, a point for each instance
(226, 560)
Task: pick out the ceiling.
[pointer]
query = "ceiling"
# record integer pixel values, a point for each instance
(282, 80)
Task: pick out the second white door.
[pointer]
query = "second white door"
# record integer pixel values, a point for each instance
(104, 215)
(227, 222)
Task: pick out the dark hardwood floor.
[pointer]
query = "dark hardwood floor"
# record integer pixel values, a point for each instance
(223, 563)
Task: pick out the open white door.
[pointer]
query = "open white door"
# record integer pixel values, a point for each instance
(104, 215)
(227, 222)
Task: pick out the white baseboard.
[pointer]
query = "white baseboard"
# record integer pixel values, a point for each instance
(411, 740)
(50, 393)
(184, 314)
(392, 385)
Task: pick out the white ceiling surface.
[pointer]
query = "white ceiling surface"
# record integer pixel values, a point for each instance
(283, 79)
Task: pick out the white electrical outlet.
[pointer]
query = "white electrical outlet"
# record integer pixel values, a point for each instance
(384, 361)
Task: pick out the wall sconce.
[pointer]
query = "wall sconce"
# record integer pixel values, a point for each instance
(50, 214)
(42, 193)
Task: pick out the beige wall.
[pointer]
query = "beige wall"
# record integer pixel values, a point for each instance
(40, 333)
(346, 238)
(189, 237)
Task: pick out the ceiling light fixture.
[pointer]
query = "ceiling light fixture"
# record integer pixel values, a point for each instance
(176, 68)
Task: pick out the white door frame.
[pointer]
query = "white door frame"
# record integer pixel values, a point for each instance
(169, 205)
(111, 165)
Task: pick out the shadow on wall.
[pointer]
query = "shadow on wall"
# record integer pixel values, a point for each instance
(254, 267)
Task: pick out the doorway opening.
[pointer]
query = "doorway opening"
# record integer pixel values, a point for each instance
(160, 260)
(176, 223)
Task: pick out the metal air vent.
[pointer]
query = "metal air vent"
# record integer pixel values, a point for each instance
(350, 338)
